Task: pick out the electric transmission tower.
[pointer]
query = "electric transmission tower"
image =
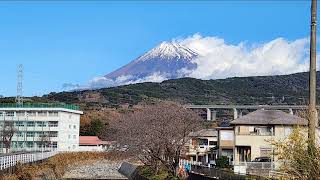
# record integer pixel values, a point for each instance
(19, 97)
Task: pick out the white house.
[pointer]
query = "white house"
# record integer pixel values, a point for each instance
(203, 146)
(41, 126)
(92, 143)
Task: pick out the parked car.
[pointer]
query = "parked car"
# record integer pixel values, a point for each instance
(262, 159)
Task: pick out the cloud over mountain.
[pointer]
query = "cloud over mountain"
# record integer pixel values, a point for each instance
(210, 58)
(220, 60)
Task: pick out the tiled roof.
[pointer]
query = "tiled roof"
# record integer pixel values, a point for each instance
(90, 140)
(275, 117)
(204, 133)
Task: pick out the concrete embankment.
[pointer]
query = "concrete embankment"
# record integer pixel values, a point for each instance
(102, 169)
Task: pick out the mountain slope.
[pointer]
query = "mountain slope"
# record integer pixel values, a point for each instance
(165, 60)
(282, 89)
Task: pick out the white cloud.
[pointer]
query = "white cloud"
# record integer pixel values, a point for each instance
(99, 82)
(220, 60)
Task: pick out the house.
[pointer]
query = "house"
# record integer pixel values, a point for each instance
(226, 142)
(92, 143)
(253, 131)
(202, 146)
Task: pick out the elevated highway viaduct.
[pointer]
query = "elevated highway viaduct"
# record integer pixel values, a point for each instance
(237, 109)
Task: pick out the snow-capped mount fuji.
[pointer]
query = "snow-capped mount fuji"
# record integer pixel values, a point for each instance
(169, 51)
(167, 60)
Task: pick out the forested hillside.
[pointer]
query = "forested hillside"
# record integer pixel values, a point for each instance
(284, 89)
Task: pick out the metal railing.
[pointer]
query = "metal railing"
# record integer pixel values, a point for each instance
(217, 173)
(10, 160)
(40, 105)
(184, 161)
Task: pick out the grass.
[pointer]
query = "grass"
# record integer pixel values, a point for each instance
(55, 167)
(161, 175)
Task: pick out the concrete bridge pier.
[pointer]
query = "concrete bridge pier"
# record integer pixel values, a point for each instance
(290, 111)
(240, 113)
(235, 113)
(208, 114)
(211, 115)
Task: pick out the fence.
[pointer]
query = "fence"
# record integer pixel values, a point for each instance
(182, 162)
(216, 173)
(10, 160)
(255, 168)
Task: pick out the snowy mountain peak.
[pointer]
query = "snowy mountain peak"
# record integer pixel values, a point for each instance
(169, 51)
(168, 60)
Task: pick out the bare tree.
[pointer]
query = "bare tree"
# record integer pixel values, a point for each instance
(44, 140)
(7, 133)
(157, 134)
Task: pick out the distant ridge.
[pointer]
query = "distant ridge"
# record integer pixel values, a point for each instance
(280, 89)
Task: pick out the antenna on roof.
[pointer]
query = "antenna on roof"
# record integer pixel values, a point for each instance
(19, 97)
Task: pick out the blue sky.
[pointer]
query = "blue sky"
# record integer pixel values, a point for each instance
(73, 42)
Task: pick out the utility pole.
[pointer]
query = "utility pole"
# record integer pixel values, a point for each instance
(313, 119)
(19, 98)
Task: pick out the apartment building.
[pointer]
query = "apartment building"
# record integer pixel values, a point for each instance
(253, 132)
(41, 126)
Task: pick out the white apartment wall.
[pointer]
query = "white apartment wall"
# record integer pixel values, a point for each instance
(68, 135)
(68, 126)
(91, 148)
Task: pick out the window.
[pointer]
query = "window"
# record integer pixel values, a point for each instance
(69, 126)
(29, 144)
(287, 131)
(30, 124)
(19, 124)
(74, 136)
(41, 124)
(203, 142)
(53, 134)
(54, 144)
(41, 134)
(20, 144)
(74, 146)
(42, 113)
(10, 113)
(31, 113)
(1, 114)
(263, 130)
(265, 151)
(20, 113)
(226, 135)
(19, 134)
(53, 123)
(53, 113)
(256, 130)
(74, 126)
(30, 134)
(69, 136)
(213, 143)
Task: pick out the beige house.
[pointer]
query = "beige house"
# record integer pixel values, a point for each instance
(253, 131)
(203, 146)
(226, 142)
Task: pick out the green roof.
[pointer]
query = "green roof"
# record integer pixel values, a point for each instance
(40, 105)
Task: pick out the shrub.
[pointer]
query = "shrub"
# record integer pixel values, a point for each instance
(223, 162)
